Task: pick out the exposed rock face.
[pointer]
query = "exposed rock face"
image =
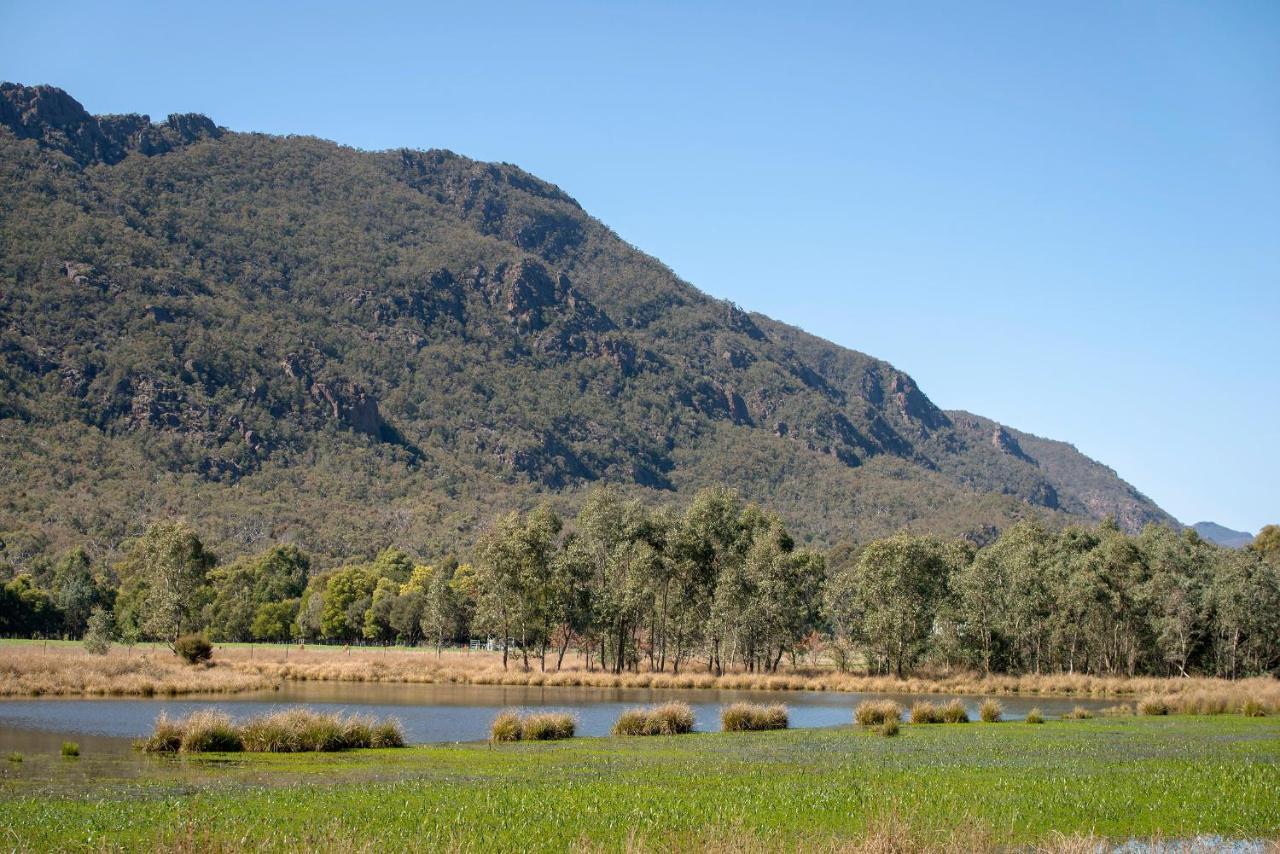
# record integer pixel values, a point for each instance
(914, 406)
(1003, 440)
(55, 119)
(352, 405)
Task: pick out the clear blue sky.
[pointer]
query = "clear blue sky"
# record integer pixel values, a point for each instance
(1062, 216)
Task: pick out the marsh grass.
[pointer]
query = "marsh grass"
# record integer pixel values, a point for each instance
(548, 726)
(889, 728)
(954, 712)
(209, 731)
(70, 749)
(1153, 705)
(666, 719)
(1251, 708)
(289, 731)
(1035, 716)
(925, 712)
(747, 717)
(15, 756)
(532, 726)
(877, 712)
(1079, 713)
(991, 711)
(1123, 710)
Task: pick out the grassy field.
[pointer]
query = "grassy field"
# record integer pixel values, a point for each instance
(970, 787)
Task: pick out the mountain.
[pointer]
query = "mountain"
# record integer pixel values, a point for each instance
(1223, 536)
(282, 338)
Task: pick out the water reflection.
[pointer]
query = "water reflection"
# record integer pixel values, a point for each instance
(430, 713)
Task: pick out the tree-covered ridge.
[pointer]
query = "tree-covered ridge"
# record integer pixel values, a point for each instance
(716, 584)
(288, 340)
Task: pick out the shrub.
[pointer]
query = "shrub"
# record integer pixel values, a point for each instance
(505, 727)
(546, 726)
(924, 712)
(743, 717)
(1253, 709)
(991, 711)
(70, 749)
(1123, 710)
(1153, 705)
(1079, 713)
(1035, 716)
(15, 757)
(889, 728)
(209, 731)
(954, 712)
(877, 712)
(193, 648)
(97, 635)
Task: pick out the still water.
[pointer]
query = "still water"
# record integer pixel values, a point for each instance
(431, 713)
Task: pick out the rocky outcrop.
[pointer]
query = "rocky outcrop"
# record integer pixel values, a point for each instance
(54, 119)
(1003, 440)
(352, 405)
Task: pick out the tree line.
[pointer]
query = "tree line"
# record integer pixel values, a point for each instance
(717, 584)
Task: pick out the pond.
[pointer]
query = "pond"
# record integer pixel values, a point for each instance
(431, 713)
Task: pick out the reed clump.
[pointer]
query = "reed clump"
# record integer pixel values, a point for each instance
(745, 717)
(925, 712)
(991, 711)
(288, 731)
(1035, 716)
(70, 749)
(1251, 708)
(1079, 713)
(889, 728)
(666, 719)
(954, 712)
(209, 731)
(532, 726)
(1153, 705)
(877, 712)
(1123, 710)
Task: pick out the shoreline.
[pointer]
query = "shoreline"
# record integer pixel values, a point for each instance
(66, 671)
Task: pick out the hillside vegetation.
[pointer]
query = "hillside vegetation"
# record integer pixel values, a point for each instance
(286, 340)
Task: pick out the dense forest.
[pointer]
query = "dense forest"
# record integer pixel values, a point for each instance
(281, 339)
(719, 583)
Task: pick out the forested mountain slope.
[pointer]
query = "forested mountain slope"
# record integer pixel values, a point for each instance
(285, 339)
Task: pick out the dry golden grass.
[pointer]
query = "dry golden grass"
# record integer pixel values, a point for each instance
(26, 669)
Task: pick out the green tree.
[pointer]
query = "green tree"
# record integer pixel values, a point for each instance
(170, 566)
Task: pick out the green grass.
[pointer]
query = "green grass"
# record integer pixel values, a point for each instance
(1168, 776)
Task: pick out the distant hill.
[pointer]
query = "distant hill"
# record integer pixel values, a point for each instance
(282, 338)
(1215, 533)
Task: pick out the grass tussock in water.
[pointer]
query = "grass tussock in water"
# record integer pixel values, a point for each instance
(532, 726)
(1035, 716)
(1124, 710)
(954, 712)
(290, 731)
(666, 719)
(745, 717)
(1079, 713)
(889, 728)
(877, 712)
(1152, 705)
(991, 711)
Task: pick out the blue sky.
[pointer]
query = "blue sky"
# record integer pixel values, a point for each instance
(1064, 216)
